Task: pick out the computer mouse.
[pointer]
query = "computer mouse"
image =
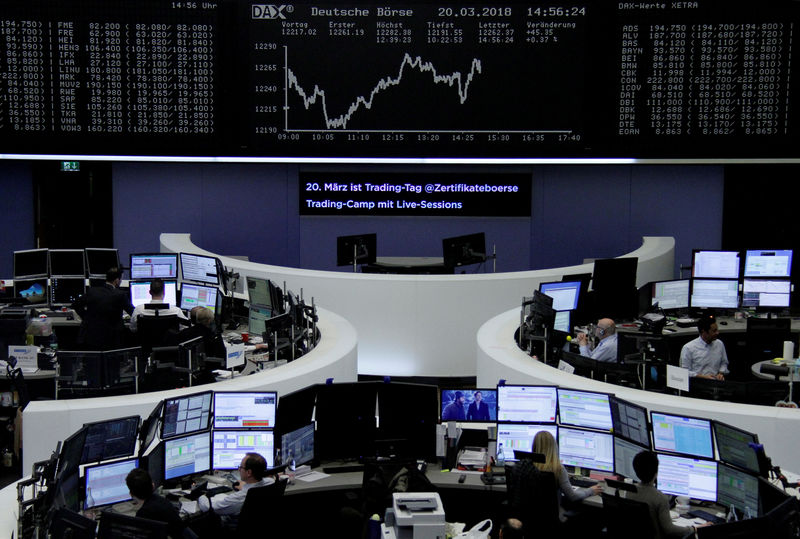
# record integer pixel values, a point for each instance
(723, 323)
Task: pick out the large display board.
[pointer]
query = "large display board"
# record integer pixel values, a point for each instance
(706, 78)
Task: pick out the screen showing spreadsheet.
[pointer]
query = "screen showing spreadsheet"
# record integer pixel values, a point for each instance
(737, 488)
(199, 268)
(231, 446)
(766, 293)
(680, 434)
(105, 483)
(630, 421)
(519, 437)
(684, 476)
(193, 295)
(140, 293)
(253, 410)
(716, 264)
(586, 449)
(734, 446)
(768, 263)
(184, 415)
(584, 409)
(150, 266)
(715, 294)
(187, 455)
(671, 295)
(565, 294)
(624, 451)
(526, 404)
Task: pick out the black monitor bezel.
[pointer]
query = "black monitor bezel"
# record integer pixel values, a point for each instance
(102, 274)
(31, 252)
(346, 244)
(76, 251)
(451, 257)
(104, 457)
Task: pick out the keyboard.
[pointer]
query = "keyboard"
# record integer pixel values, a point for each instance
(705, 515)
(343, 469)
(577, 481)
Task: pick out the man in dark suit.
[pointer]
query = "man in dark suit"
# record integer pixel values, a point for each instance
(478, 410)
(101, 309)
(154, 507)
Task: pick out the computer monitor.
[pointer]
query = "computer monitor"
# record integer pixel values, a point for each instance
(630, 421)
(203, 269)
(624, 451)
(146, 266)
(105, 483)
(149, 428)
(187, 455)
(715, 294)
(140, 292)
(739, 489)
(69, 460)
(231, 446)
(519, 437)
(766, 293)
(684, 476)
(358, 249)
(68, 522)
(586, 449)
(100, 260)
(184, 415)
(464, 250)
(117, 526)
(526, 404)
(473, 408)
(296, 409)
(563, 322)
(671, 295)
(67, 263)
(584, 409)
(612, 275)
(106, 440)
(299, 445)
(407, 418)
(257, 318)
(245, 410)
(734, 446)
(194, 295)
(154, 462)
(346, 422)
(30, 263)
(565, 294)
(715, 264)
(65, 290)
(33, 291)
(682, 434)
(768, 263)
(258, 292)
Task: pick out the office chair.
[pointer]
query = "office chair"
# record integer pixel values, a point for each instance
(627, 519)
(533, 497)
(259, 504)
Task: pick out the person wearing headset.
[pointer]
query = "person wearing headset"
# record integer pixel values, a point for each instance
(606, 349)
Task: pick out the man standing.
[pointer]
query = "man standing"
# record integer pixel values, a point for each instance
(705, 357)
(606, 349)
(478, 410)
(100, 309)
(455, 410)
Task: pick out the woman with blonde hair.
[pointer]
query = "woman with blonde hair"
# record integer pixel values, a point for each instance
(545, 444)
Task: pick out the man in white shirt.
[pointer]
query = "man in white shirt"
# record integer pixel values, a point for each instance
(251, 474)
(606, 349)
(156, 296)
(705, 357)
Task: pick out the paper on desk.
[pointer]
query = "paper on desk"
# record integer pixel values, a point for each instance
(310, 477)
(219, 373)
(189, 507)
(685, 522)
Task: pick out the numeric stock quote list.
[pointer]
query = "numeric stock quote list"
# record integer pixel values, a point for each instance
(704, 79)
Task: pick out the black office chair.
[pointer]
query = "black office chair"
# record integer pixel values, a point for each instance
(533, 498)
(259, 504)
(627, 519)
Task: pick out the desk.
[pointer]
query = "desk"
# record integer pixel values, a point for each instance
(794, 373)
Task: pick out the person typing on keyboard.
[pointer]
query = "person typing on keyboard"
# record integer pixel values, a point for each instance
(252, 472)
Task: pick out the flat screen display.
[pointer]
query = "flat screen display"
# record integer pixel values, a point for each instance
(112, 439)
(737, 488)
(230, 447)
(526, 404)
(734, 447)
(671, 295)
(683, 476)
(584, 409)
(681, 434)
(624, 451)
(473, 405)
(715, 264)
(562, 322)
(586, 449)
(187, 455)
(715, 294)
(30, 263)
(150, 266)
(766, 293)
(630, 421)
(258, 292)
(105, 483)
(257, 318)
(140, 293)
(199, 268)
(65, 290)
(184, 415)
(194, 295)
(565, 294)
(298, 445)
(99, 261)
(519, 437)
(254, 410)
(33, 291)
(67, 263)
(768, 263)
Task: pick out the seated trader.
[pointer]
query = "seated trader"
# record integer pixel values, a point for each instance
(154, 507)
(156, 296)
(203, 326)
(645, 464)
(251, 474)
(606, 349)
(101, 309)
(705, 357)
